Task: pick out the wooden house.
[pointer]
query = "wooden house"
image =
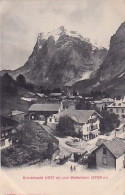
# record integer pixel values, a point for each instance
(111, 154)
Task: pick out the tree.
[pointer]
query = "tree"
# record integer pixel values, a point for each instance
(50, 151)
(65, 126)
(83, 105)
(109, 121)
(21, 81)
(74, 93)
(8, 84)
(56, 90)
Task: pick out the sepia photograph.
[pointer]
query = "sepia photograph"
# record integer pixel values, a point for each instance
(62, 97)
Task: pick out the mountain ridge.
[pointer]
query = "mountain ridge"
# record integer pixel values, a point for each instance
(62, 60)
(111, 74)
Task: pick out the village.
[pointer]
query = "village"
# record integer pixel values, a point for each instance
(82, 139)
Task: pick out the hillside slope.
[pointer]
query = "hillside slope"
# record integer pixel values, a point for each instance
(30, 143)
(14, 102)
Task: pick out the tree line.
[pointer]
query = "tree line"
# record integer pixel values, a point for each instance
(10, 85)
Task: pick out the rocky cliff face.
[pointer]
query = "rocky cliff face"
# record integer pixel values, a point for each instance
(61, 58)
(114, 64)
(111, 74)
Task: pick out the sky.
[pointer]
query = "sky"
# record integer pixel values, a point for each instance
(22, 20)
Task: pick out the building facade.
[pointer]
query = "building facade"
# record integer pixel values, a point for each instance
(118, 108)
(111, 154)
(86, 122)
(7, 130)
(40, 111)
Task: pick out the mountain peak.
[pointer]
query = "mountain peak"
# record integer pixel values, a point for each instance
(62, 28)
(61, 31)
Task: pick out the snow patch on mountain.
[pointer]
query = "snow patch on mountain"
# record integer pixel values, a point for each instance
(121, 75)
(86, 75)
(61, 31)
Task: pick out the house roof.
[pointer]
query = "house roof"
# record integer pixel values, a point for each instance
(104, 100)
(17, 112)
(80, 116)
(100, 141)
(116, 146)
(41, 94)
(44, 107)
(107, 100)
(117, 104)
(55, 94)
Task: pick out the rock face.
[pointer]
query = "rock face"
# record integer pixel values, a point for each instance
(111, 74)
(114, 64)
(61, 58)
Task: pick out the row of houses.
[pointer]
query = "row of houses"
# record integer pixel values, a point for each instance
(112, 105)
(109, 154)
(53, 97)
(86, 122)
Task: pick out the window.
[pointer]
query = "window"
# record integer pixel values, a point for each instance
(6, 133)
(50, 119)
(111, 110)
(119, 104)
(104, 160)
(123, 116)
(122, 110)
(32, 117)
(104, 151)
(118, 115)
(117, 110)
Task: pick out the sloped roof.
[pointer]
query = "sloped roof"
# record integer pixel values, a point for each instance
(41, 94)
(116, 146)
(107, 100)
(100, 141)
(81, 116)
(117, 104)
(55, 94)
(17, 112)
(104, 100)
(44, 107)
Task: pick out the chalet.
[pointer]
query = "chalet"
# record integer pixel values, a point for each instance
(118, 108)
(55, 97)
(102, 104)
(37, 111)
(18, 115)
(41, 97)
(7, 129)
(100, 141)
(85, 121)
(111, 154)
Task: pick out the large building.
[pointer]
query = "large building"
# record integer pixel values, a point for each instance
(111, 154)
(102, 104)
(86, 122)
(118, 108)
(37, 111)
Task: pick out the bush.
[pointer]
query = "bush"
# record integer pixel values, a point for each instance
(109, 122)
(65, 127)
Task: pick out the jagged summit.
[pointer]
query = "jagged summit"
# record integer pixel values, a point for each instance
(61, 31)
(60, 58)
